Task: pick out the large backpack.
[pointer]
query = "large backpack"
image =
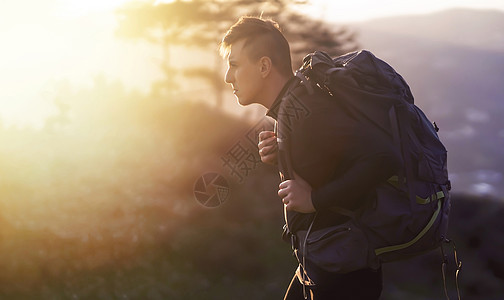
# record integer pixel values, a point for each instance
(410, 214)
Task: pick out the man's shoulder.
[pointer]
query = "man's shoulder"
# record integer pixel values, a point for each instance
(309, 96)
(316, 114)
(316, 103)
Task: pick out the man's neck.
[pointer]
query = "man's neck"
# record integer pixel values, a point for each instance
(276, 87)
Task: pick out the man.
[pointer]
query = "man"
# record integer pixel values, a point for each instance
(334, 161)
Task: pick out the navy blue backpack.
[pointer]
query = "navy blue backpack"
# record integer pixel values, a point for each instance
(411, 211)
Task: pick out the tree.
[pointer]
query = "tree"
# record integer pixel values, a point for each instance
(202, 23)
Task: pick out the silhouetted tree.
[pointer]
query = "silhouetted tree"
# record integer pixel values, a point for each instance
(202, 23)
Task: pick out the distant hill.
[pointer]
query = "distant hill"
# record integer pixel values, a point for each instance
(480, 29)
(454, 63)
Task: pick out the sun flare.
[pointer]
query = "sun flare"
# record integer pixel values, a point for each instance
(79, 7)
(50, 42)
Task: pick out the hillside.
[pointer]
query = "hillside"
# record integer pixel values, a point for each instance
(480, 29)
(116, 218)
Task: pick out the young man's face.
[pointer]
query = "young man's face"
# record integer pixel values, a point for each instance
(244, 75)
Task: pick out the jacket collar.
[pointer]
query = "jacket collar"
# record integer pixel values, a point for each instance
(273, 110)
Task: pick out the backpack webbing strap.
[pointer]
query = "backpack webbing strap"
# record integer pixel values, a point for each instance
(282, 131)
(380, 251)
(400, 135)
(394, 180)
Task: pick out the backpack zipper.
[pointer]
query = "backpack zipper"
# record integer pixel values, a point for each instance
(329, 233)
(350, 58)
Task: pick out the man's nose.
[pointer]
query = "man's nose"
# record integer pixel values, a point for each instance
(228, 78)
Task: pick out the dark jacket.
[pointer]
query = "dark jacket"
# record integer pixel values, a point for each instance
(341, 157)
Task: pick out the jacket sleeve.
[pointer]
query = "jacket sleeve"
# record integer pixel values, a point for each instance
(370, 160)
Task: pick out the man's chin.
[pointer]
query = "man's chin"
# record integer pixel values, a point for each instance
(243, 102)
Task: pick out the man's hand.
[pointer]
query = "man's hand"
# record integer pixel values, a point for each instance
(296, 195)
(268, 148)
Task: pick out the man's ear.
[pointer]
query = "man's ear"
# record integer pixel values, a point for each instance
(265, 66)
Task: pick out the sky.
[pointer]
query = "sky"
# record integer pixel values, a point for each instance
(46, 42)
(361, 10)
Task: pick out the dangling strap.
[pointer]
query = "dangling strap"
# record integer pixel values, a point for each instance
(459, 267)
(443, 271)
(458, 264)
(304, 275)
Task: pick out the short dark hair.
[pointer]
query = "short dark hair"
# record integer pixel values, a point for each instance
(262, 38)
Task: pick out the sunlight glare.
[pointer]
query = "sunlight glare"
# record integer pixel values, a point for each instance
(52, 41)
(73, 8)
(163, 2)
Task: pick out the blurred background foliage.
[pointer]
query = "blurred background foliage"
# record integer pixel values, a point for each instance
(99, 204)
